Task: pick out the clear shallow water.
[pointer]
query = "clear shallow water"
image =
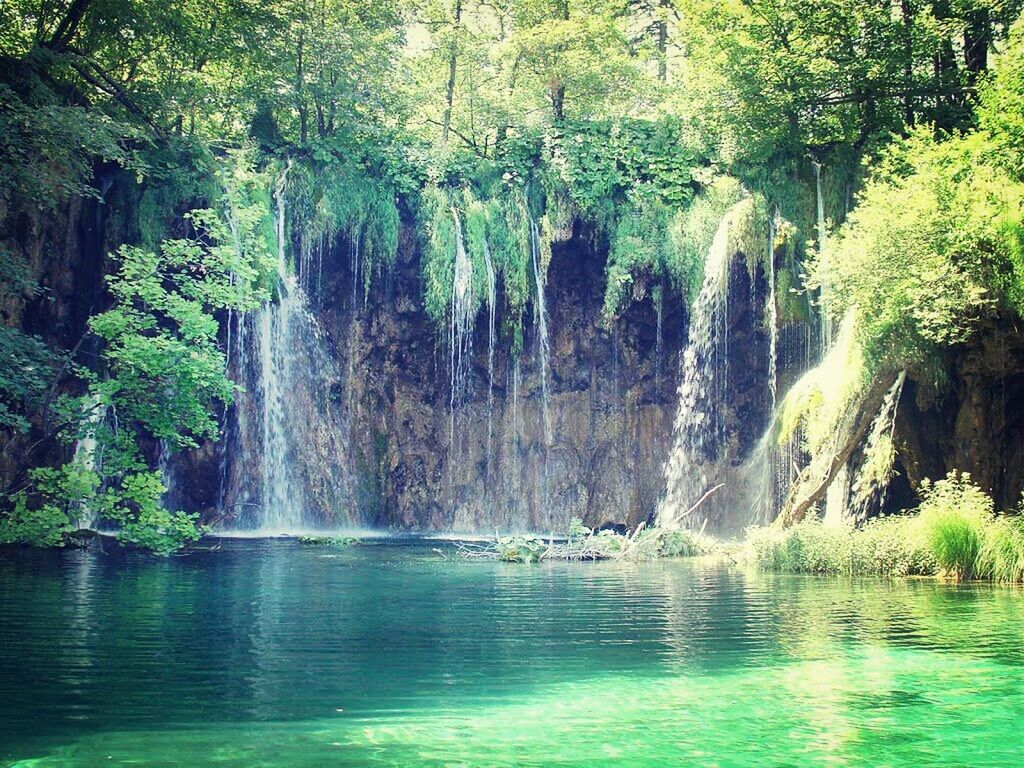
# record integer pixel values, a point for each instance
(270, 653)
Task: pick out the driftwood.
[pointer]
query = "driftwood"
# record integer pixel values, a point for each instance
(661, 530)
(808, 490)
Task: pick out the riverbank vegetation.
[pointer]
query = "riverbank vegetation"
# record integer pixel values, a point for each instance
(954, 534)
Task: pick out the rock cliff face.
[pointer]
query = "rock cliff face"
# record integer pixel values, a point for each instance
(63, 251)
(408, 462)
(976, 422)
(419, 466)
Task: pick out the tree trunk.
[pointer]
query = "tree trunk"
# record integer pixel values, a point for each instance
(663, 40)
(68, 26)
(453, 57)
(977, 39)
(908, 62)
(806, 491)
(556, 88)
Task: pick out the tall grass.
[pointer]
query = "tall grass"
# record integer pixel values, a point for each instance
(955, 533)
(1001, 556)
(955, 515)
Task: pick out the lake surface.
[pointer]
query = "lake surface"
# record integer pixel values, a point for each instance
(271, 653)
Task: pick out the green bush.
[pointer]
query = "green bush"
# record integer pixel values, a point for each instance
(678, 543)
(1001, 555)
(889, 546)
(520, 549)
(892, 546)
(329, 541)
(954, 515)
(45, 526)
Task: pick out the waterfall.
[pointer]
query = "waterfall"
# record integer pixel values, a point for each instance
(166, 471)
(88, 454)
(658, 298)
(285, 426)
(354, 246)
(700, 423)
(772, 316)
(542, 325)
(280, 495)
(869, 488)
(491, 318)
(824, 297)
(515, 401)
(460, 337)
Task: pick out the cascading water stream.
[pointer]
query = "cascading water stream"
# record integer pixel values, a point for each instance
(88, 454)
(163, 466)
(274, 325)
(824, 299)
(542, 326)
(491, 319)
(460, 337)
(658, 298)
(772, 318)
(866, 494)
(285, 424)
(699, 427)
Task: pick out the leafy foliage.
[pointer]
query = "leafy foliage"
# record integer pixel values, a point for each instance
(954, 514)
(165, 368)
(27, 370)
(163, 375)
(331, 199)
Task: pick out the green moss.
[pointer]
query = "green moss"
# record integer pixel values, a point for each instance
(500, 223)
(331, 200)
(183, 177)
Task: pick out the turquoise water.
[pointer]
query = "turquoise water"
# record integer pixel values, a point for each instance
(270, 653)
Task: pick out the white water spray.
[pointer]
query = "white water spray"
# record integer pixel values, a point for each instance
(460, 336)
(700, 421)
(542, 325)
(772, 316)
(824, 299)
(89, 454)
(491, 319)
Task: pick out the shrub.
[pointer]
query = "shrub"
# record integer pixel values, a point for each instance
(807, 547)
(954, 532)
(1001, 555)
(520, 549)
(43, 527)
(893, 546)
(887, 546)
(678, 543)
(954, 515)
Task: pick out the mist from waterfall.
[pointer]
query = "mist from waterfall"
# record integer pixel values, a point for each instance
(824, 298)
(88, 454)
(491, 322)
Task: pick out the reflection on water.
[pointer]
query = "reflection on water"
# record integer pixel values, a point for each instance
(275, 654)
